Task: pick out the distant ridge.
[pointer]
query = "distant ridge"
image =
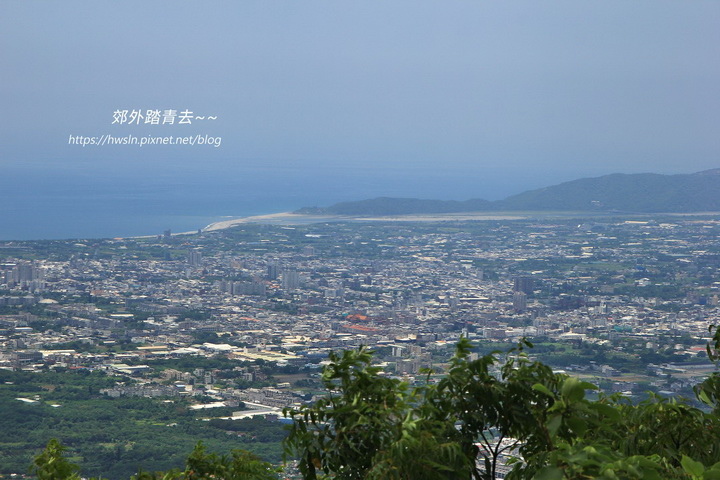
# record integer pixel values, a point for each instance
(397, 206)
(639, 193)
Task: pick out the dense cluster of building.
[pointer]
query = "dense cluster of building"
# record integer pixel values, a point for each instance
(287, 295)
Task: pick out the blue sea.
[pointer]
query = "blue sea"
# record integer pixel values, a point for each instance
(41, 203)
(69, 207)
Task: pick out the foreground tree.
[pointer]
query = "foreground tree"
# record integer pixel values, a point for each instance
(50, 464)
(483, 410)
(370, 426)
(200, 465)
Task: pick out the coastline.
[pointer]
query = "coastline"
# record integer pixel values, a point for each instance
(290, 218)
(269, 218)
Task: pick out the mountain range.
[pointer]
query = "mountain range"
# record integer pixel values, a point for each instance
(618, 192)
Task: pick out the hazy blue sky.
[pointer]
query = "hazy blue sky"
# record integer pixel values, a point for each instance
(452, 99)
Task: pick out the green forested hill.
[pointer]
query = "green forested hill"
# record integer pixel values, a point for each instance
(113, 437)
(645, 192)
(637, 193)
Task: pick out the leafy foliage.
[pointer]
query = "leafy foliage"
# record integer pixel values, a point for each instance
(484, 411)
(51, 465)
(200, 465)
(112, 437)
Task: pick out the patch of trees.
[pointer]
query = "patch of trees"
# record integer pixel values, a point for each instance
(51, 464)
(373, 427)
(483, 412)
(110, 437)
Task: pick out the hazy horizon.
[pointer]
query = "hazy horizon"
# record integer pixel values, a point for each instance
(318, 103)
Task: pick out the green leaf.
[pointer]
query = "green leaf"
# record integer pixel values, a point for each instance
(573, 389)
(553, 425)
(542, 389)
(711, 475)
(549, 473)
(589, 386)
(692, 467)
(607, 410)
(578, 425)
